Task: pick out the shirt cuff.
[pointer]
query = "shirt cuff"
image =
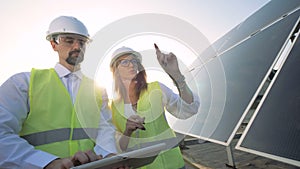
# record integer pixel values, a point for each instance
(40, 159)
(100, 151)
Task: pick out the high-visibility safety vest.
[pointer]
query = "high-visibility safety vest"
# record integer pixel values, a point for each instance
(157, 129)
(54, 124)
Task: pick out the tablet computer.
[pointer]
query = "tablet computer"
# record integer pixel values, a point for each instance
(133, 159)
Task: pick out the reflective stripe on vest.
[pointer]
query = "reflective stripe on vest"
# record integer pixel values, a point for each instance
(51, 136)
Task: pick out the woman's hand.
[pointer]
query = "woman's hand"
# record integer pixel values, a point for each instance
(133, 123)
(168, 62)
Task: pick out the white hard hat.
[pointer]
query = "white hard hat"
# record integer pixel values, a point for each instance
(66, 24)
(122, 51)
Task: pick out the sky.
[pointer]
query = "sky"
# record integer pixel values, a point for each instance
(24, 24)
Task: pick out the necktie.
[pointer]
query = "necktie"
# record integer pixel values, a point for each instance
(70, 85)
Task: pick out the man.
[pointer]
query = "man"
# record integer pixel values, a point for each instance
(48, 118)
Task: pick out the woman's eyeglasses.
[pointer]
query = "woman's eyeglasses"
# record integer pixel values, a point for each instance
(126, 62)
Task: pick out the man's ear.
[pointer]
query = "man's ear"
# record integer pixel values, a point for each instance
(54, 45)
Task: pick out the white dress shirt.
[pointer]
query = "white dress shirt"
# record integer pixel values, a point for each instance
(16, 152)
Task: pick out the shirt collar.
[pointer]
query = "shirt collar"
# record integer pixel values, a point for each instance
(62, 71)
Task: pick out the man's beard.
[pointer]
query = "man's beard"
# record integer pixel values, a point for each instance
(75, 60)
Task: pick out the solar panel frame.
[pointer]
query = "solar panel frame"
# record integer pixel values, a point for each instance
(227, 140)
(246, 144)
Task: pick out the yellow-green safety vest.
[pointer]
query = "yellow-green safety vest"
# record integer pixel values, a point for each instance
(150, 106)
(54, 124)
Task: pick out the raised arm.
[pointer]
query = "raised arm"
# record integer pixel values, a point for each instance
(169, 63)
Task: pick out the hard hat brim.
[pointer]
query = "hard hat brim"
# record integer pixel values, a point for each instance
(137, 55)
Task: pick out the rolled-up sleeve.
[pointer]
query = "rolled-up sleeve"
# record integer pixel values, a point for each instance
(178, 107)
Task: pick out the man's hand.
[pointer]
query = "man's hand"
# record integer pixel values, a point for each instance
(78, 159)
(85, 157)
(61, 163)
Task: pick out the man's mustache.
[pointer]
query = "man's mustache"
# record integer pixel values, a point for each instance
(74, 51)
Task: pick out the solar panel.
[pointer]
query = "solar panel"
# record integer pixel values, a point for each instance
(269, 13)
(228, 83)
(275, 130)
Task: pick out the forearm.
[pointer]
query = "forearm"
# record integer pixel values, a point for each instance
(184, 90)
(124, 140)
(175, 105)
(16, 152)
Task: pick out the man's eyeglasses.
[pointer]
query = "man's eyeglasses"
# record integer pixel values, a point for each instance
(70, 40)
(125, 62)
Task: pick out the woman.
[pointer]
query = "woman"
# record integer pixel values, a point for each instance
(139, 107)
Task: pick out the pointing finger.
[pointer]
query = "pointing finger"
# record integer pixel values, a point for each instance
(158, 52)
(156, 47)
